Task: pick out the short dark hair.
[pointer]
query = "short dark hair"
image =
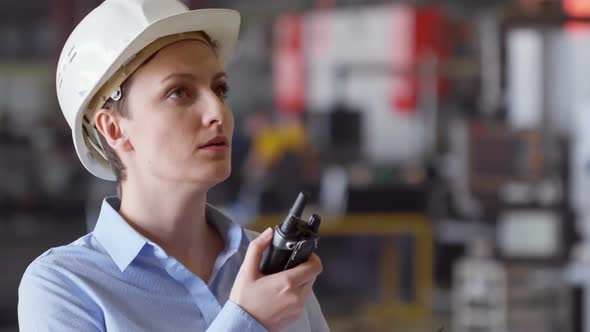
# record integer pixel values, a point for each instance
(120, 106)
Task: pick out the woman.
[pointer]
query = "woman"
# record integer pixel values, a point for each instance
(142, 86)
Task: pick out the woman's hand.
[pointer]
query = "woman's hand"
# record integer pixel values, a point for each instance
(278, 299)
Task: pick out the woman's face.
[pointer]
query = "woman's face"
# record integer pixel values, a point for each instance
(179, 125)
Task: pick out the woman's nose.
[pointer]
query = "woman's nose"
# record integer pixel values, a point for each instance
(214, 110)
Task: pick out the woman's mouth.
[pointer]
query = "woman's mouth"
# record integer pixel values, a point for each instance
(218, 143)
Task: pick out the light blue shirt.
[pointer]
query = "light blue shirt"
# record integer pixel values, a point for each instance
(114, 279)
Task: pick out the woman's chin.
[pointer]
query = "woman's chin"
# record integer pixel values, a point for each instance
(213, 175)
(203, 174)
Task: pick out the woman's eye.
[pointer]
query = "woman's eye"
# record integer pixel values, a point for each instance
(222, 91)
(179, 93)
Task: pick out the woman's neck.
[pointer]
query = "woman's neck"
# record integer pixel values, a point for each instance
(171, 217)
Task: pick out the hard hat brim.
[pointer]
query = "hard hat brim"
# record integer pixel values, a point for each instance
(222, 25)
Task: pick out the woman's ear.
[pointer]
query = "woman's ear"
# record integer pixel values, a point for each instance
(110, 125)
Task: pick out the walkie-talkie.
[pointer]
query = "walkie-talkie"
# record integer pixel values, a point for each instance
(294, 240)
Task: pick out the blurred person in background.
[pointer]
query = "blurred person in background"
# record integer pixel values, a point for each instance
(142, 87)
(281, 160)
(277, 161)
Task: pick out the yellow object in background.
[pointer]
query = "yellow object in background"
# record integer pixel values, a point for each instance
(271, 143)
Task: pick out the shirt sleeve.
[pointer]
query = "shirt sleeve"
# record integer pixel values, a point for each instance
(316, 317)
(232, 318)
(49, 301)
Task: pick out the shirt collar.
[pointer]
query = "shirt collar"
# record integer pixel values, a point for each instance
(231, 233)
(123, 243)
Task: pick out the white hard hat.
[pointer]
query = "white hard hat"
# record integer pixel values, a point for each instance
(109, 41)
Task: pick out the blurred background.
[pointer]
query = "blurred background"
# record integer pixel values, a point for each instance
(445, 143)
